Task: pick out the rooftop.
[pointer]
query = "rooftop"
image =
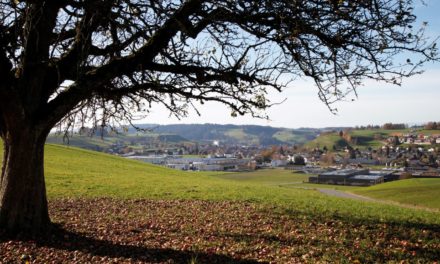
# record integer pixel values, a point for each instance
(366, 177)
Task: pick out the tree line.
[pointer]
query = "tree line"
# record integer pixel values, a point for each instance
(432, 125)
(391, 126)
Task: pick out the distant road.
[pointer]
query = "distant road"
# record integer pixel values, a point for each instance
(345, 195)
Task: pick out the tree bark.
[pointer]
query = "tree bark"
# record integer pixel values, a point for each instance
(23, 202)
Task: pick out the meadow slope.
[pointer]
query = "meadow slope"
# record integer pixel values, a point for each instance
(113, 210)
(361, 138)
(72, 172)
(416, 192)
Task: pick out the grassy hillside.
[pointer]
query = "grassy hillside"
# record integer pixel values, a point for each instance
(87, 142)
(180, 134)
(240, 135)
(99, 143)
(418, 192)
(280, 178)
(294, 136)
(266, 177)
(237, 134)
(72, 172)
(361, 138)
(371, 138)
(327, 140)
(191, 217)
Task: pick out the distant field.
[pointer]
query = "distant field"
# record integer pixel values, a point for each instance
(240, 135)
(327, 140)
(371, 138)
(87, 142)
(293, 136)
(418, 192)
(268, 176)
(281, 178)
(429, 132)
(361, 138)
(99, 143)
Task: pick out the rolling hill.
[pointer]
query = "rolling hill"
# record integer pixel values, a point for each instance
(202, 133)
(102, 143)
(236, 134)
(417, 192)
(360, 138)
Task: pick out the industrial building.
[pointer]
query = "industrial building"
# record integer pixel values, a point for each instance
(357, 177)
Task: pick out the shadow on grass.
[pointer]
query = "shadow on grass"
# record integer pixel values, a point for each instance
(368, 255)
(354, 220)
(427, 234)
(61, 239)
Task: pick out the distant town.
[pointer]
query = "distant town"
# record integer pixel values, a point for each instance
(360, 156)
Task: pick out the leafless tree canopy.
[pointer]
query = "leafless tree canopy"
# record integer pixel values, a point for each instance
(101, 61)
(69, 59)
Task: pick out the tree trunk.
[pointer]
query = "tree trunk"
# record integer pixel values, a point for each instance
(23, 203)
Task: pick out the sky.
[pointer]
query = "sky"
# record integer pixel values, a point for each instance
(417, 101)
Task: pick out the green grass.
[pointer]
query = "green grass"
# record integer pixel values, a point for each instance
(327, 140)
(83, 141)
(241, 135)
(368, 138)
(429, 132)
(271, 218)
(97, 142)
(361, 138)
(267, 177)
(291, 136)
(72, 172)
(417, 192)
(280, 178)
(193, 156)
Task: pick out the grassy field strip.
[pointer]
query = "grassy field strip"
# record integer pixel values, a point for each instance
(411, 192)
(394, 203)
(72, 172)
(351, 195)
(285, 183)
(364, 138)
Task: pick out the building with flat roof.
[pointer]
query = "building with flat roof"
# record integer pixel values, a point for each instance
(365, 180)
(358, 177)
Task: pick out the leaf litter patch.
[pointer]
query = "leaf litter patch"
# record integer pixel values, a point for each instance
(105, 230)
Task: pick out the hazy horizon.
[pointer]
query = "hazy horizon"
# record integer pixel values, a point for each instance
(228, 124)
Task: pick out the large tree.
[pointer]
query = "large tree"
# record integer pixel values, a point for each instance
(100, 61)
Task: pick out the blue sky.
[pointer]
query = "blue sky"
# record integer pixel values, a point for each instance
(416, 101)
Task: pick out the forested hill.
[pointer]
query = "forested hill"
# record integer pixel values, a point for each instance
(235, 134)
(184, 133)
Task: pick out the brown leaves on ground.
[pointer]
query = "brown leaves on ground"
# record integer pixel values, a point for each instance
(144, 231)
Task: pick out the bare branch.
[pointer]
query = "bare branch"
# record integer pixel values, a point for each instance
(100, 57)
